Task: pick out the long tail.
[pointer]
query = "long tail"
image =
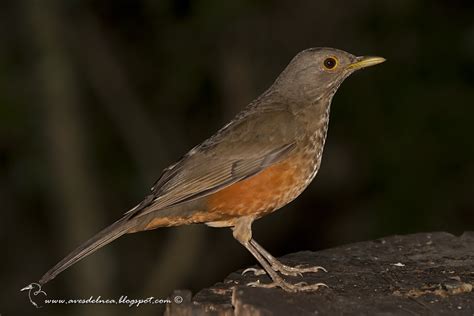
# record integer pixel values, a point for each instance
(101, 239)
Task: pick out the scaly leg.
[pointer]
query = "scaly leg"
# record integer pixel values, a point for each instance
(243, 233)
(278, 266)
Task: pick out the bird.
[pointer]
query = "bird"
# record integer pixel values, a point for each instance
(256, 164)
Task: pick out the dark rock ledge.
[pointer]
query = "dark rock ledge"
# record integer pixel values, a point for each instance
(419, 274)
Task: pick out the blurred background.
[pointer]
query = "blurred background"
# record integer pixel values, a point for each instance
(97, 97)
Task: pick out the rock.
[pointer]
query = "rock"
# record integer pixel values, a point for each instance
(419, 274)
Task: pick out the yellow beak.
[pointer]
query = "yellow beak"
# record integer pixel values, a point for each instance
(362, 62)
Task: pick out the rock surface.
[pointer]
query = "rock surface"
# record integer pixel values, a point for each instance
(419, 274)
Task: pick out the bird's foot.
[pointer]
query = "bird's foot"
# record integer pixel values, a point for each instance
(298, 287)
(286, 270)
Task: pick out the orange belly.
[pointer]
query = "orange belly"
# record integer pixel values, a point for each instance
(260, 194)
(256, 196)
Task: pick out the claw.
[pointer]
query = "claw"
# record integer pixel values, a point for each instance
(311, 269)
(255, 271)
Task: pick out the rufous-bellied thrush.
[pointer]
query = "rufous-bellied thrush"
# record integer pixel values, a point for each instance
(259, 162)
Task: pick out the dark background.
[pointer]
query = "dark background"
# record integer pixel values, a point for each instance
(97, 97)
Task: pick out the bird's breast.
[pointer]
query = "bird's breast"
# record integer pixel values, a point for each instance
(280, 183)
(270, 189)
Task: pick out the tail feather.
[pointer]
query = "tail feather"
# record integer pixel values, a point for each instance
(101, 239)
(129, 223)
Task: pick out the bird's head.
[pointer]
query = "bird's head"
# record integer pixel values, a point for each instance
(318, 72)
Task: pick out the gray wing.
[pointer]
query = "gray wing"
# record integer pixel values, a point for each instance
(238, 151)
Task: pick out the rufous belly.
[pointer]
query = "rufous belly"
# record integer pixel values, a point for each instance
(261, 194)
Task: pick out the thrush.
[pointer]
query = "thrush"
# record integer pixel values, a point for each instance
(259, 162)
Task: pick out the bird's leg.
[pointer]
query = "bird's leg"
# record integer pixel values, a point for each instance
(277, 280)
(278, 266)
(243, 233)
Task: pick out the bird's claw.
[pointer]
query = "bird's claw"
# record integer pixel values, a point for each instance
(255, 271)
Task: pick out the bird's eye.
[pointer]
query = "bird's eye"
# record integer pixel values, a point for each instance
(330, 63)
